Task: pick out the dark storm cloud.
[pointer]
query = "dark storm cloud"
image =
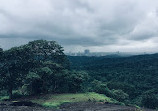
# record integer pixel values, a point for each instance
(93, 24)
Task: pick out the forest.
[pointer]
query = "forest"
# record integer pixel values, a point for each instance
(41, 67)
(131, 80)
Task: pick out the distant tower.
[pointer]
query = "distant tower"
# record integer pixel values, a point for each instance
(86, 51)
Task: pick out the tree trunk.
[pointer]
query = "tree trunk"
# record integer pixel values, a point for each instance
(10, 92)
(55, 86)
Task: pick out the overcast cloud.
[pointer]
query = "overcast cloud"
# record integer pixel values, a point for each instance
(98, 25)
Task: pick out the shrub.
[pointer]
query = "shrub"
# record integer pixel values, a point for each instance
(120, 95)
(101, 88)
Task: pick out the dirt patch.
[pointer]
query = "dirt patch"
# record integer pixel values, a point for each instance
(18, 103)
(95, 107)
(84, 106)
(22, 106)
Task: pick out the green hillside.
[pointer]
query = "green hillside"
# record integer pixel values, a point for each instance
(137, 76)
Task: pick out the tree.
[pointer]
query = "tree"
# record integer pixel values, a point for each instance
(17, 62)
(120, 95)
(76, 79)
(1, 50)
(150, 101)
(10, 70)
(33, 84)
(101, 87)
(1, 54)
(43, 79)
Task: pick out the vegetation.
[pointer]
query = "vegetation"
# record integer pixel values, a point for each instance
(36, 68)
(132, 80)
(41, 68)
(58, 99)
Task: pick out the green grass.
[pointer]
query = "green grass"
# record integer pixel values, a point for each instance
(55, 100)
(3, 98)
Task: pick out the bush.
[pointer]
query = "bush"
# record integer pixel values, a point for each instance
(102, 88)
(120, 95)
(17, 94)
(125, 87)
(3, 93)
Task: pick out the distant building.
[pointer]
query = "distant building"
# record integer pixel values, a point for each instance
(97, 54)
(86, 52)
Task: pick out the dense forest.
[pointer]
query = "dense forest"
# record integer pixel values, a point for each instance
(132, 80)
(41, 67)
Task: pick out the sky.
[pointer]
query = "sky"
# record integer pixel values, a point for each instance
(97, 25)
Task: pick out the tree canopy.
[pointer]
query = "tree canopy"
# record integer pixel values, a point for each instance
(37, 67)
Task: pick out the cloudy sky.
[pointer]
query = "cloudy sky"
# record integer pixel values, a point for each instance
(98, 25)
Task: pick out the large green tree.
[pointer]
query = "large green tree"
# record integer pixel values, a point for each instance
(17, 62)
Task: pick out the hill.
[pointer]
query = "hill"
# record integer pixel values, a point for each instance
(137, 76)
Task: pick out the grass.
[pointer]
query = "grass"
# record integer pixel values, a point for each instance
(3, 98)
(55, 100)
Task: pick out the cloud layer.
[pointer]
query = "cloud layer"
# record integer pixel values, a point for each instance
(100, 25)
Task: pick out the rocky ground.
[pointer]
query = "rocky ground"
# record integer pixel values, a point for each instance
(88, 106)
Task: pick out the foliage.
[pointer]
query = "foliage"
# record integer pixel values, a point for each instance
(41, 67)
(56, 100)
(4, 98)
(131, 75)
(23, 65)
(120, 95)
(149, 99)
(101, 88)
